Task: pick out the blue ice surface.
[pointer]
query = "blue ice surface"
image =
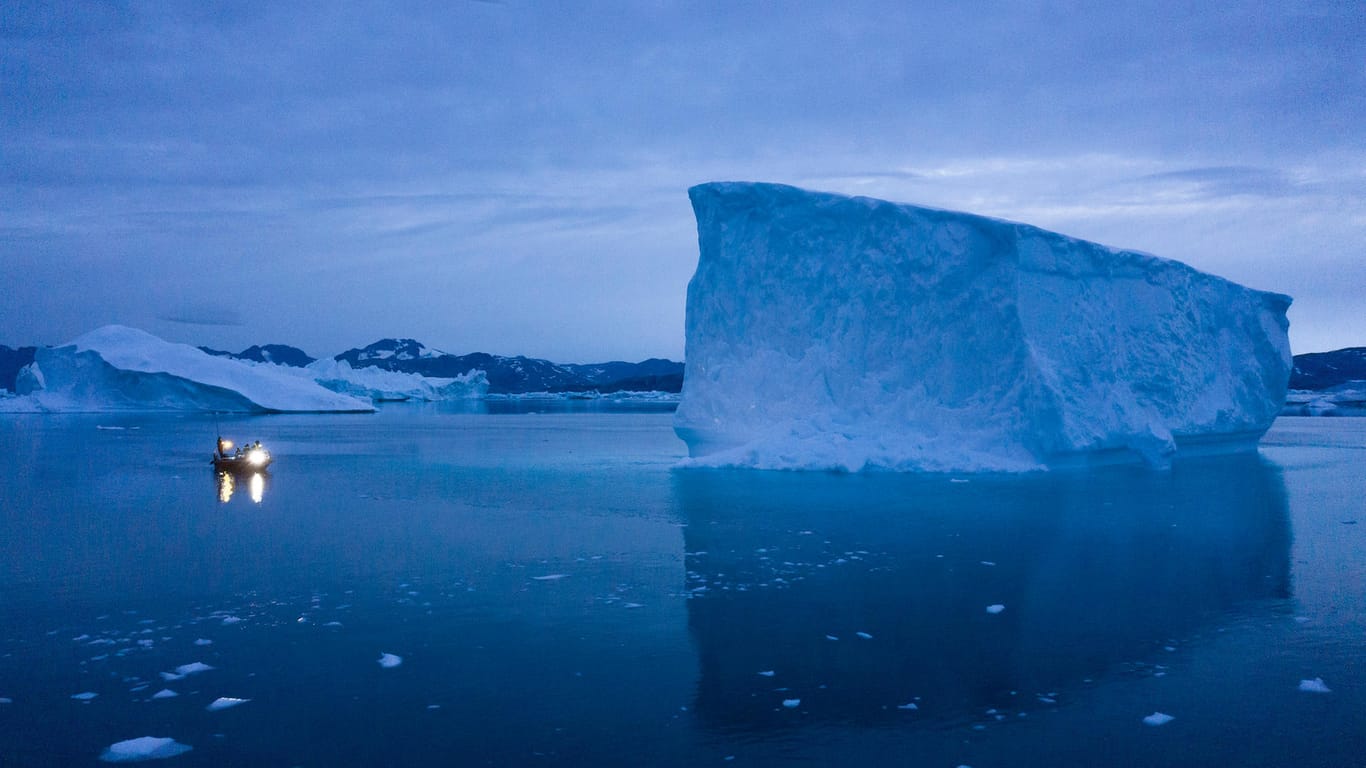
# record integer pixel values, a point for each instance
(422, 531)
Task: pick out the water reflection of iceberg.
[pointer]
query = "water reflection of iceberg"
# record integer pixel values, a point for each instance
(1097, 571)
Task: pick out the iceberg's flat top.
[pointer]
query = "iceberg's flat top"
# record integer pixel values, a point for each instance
(826, 331)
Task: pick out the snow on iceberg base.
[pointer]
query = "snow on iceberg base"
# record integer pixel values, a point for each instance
(828, 332)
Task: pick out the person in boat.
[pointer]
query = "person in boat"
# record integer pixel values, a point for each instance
(223, 446)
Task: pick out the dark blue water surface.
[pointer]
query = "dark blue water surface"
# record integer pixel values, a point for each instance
(561, 595)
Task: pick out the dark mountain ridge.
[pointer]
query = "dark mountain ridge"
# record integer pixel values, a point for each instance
(1324, 370)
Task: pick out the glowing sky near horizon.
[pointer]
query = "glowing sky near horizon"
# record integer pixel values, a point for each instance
(511, 177)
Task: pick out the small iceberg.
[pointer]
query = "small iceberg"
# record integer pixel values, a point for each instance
(766, 673)
(145, 748)
(88, 695)
(165, 693)
(995, 608)
(225, 702)
(1158, 718)
(192, 668)
(389, 660)
(864, 635)
(1314, 686)
(792, 703)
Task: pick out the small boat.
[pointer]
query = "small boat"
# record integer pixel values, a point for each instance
(249, 458)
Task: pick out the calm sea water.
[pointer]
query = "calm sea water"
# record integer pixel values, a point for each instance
(560, 595)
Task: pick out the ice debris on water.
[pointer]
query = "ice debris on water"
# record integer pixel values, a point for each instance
(1158, 718)
(144, 748)
(910, 705)
(995, 608)
(86, 696)
(6, 700)
(192, 668)
(224, 702)
(864, 635)
(165, 693)
(1314, 686)
(389, 660)
(792, 703)
(550, 577)
(203, 641)
(231, 620)
(766, 673)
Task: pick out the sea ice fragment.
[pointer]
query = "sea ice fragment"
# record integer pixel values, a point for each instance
(144, 748)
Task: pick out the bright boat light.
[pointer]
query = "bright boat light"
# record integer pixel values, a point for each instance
(257, 456)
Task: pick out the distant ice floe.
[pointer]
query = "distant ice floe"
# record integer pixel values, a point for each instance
(550, 577)
(995, 608)
(165, 693)
(1158, 718)
(6, 700)
(193, 668)
(225, 702)
(792, 703)
(389, 660)
(1314, 686)
(864, 635)
(144, 748)
(203, 641)
(767, 673)
(87, 696)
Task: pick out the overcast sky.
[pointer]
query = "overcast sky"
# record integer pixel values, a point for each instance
(511, 177)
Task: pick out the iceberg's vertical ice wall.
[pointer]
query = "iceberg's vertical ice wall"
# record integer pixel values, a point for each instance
(832, 332)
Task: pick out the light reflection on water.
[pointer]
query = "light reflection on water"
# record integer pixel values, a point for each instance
(227, 486)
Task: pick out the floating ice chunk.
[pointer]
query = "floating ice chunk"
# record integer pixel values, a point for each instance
(908, 706)
(766, 673)
(988, 563)
(792, 703)
(192, 668)
(995, 608)
(165, 693)
(171, 676)
(630, 606)
(1314, 686)
(86, 696)
(145, 748)
(203, 641)
(1157, 718)
(550, 577)
(389, 660)
(831, 637)
(864, 635)
(224, 702)
(333, 624)
(231, 620)
(6, 700)
(433, 706)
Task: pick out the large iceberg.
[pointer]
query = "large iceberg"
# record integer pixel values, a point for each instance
(380, 385)
(119, 368)
(830, 332)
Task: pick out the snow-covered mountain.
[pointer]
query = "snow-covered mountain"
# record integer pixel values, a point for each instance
(514, 375)
(280, 354)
